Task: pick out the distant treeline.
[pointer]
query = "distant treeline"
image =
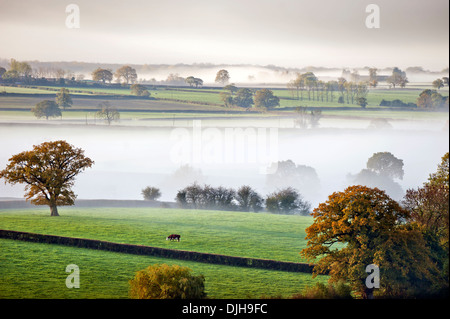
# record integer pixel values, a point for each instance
(397, 103)
(284, 201)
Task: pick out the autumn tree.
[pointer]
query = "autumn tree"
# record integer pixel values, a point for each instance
(46, 109)
(18, 69)
(104, 75)
(222, 77)
(428, 207)
(48, 172)
(373, 79)
(126, 73)
(362, 226)
(437, 84)
(139, 90)
(63, 98)
(429, 204)
(431, 99)
(441, 177)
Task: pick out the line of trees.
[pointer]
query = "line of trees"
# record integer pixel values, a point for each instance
(23, 72)
(283, 201)
(308, 86)
(246, 98)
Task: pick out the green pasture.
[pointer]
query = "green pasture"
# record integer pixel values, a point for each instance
(190, 103)
(263, 235)
(210, 96)
(31, 270)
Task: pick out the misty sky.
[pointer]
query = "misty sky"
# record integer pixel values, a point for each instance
(290, 33)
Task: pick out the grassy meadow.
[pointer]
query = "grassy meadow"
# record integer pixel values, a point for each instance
(268, 236)
(31, 270)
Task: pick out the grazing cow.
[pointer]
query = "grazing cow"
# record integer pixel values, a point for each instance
(173, 237)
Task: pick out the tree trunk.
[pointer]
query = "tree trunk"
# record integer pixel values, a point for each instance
(54, 210)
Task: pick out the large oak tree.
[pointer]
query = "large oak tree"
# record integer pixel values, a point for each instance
(362, 226)
(48, 171)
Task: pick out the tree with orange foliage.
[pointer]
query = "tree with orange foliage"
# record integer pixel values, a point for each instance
(48, 171)
(362, 226)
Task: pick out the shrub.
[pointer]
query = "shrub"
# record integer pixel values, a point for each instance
(338, 290)
(151, 193)
(206, 197)
(287, 201)
(248, 199)
(167, 282)
(396, 103)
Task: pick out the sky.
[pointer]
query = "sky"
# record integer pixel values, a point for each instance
(288, 33)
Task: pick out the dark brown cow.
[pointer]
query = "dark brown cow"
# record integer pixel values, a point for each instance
(173, 237)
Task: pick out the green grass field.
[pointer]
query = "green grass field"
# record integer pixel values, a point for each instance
(267, 236)
(190, 103)
(31, 270)
(210, 96)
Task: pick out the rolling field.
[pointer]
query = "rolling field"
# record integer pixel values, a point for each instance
(211, 96)
(39, 268)
(268, 236)
(31, 270)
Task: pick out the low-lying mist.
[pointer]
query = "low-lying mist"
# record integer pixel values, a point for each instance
(127, 159)
(243, 74)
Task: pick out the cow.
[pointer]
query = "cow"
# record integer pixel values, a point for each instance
(173, 237)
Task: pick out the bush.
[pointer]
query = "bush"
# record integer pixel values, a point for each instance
(287, 201)
(206, 197)
(167, 282)
(248, 199)
(151, 193)
(396, 103)
(321, 291)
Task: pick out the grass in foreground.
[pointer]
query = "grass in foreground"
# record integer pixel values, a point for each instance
(32, 270)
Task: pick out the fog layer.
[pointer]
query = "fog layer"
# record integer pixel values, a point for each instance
(127, 159)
